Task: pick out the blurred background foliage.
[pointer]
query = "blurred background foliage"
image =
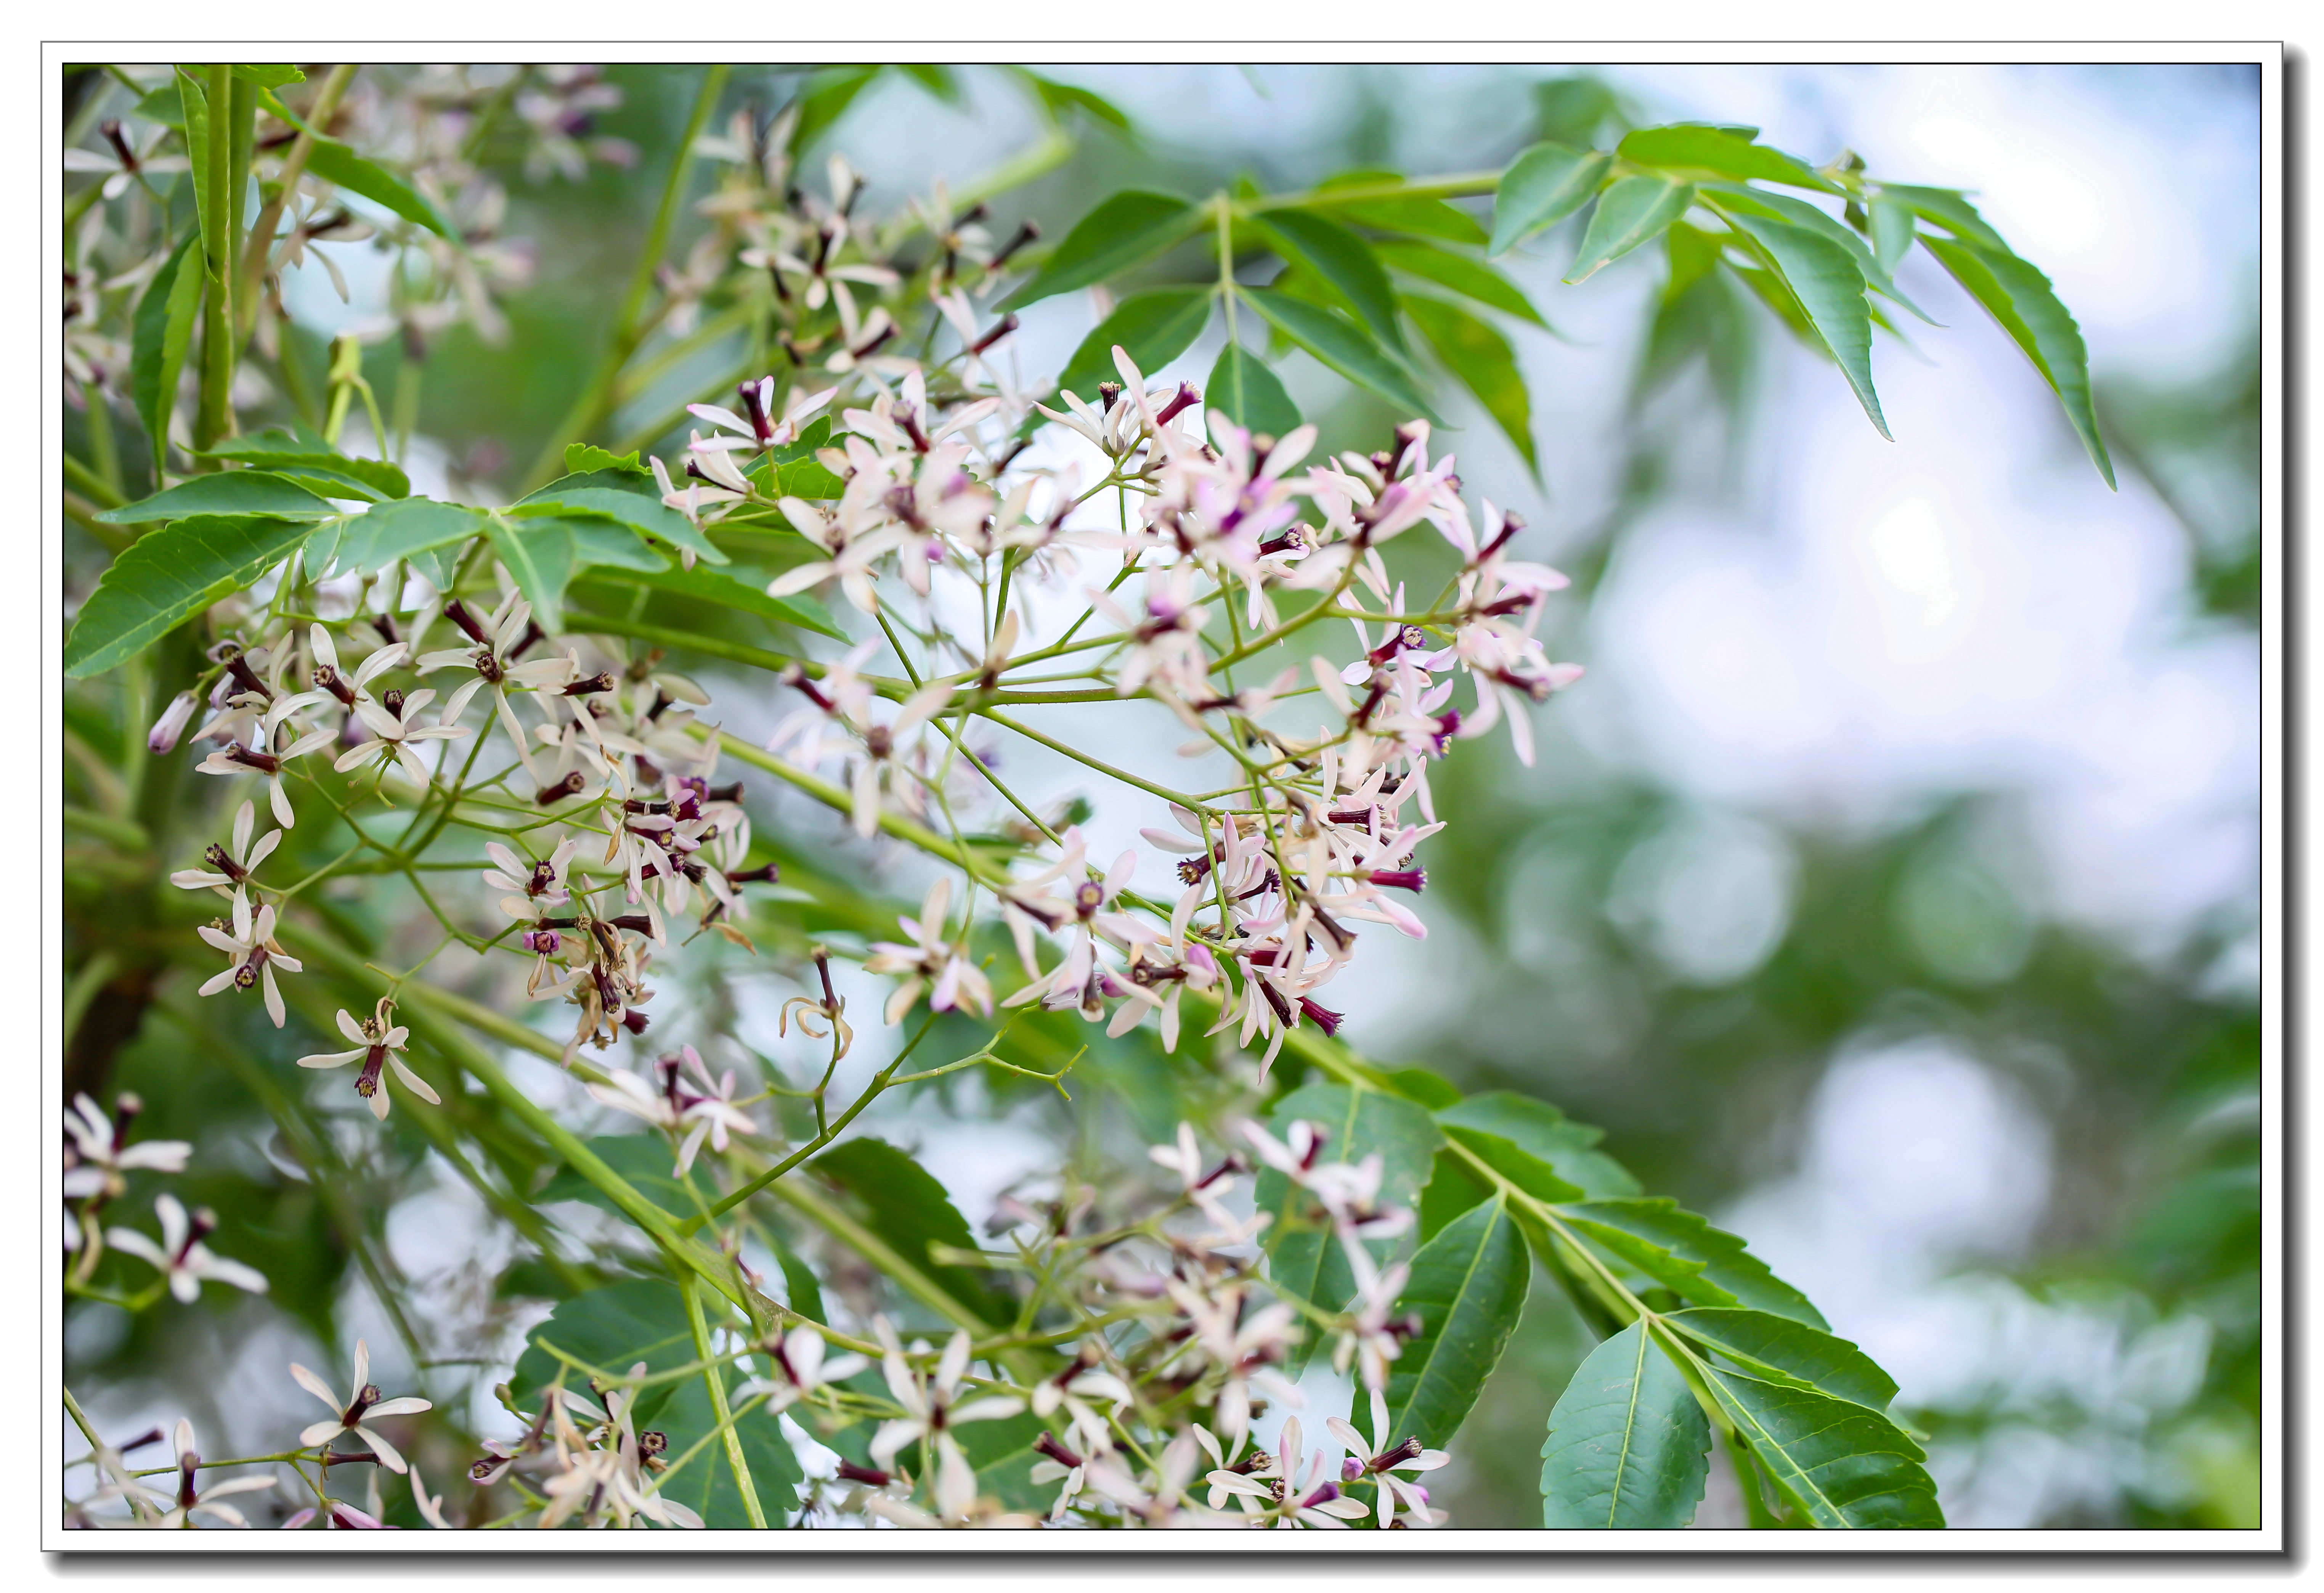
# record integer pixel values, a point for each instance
(2008, 1142)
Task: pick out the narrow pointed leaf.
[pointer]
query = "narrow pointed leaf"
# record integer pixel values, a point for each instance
(1344, 260)
(1126, 230)
(209, 204)
(1726, 198)
(169, 576)
(229, 492)
(642, 512)
(286, 451)
(1948, 208)
(1153, 328)
(1454, 1187)
(1891, 231)
(1784, 1351)
(1471, 279)
(610, 595)
(1628, 1445)
(1841, 1464)
(270, 76)
(1727, 153)
(1544, 1132)
(1528, 1172)
(2019, 297)
(1341, 345)
(1825, 279)
(403, 528)
(1468, 1285)
(1481, 361)
(1633, 211)
(1685, 1252)
(1547, 184)
(160, 335)
(1413, 215)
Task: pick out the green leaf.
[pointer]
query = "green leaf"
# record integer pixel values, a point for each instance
(826, 100)
(1471, 279)
(1571, 110)
(1678, 1249)
(582, 458)
(169, 576)
(1630, 212)
(1003, 1453)
(1528, 1172)
(1421, 218)
(1948, 208)
(209, 205)
(1547, 1134)
(1481, 361)
(801, 1292)
(703, 585)
(1718, 150)
(229, 492)
(1418, 1084)
(1727, 199)
(1452, 1188)
(1341, 345)
(1628, 1445)
(1468, 1286)
(1825, 279)
(1153, 328)
(612, 1330)
(1243, 390)
(707, 1486)
(164, 106)
(1782, 1350)
(906, 1206)
(1547, 184)
(1058, 98)
(938, 79)
(1303, 1257)
(163, 331)
(1693, 256)
(338, 165)
(1345, 261)
(403, 528)
(643, 513)
(538, 556)
(1892, 232)
(284, 451)
(270, 76)
(1126, 230)
(2020, 297)
(1841, 1464)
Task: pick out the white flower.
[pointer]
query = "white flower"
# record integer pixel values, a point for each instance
(931, 958)
(102, 1154)
(126, 163)
(394, 724)
(932, 1410)
(236, 758)
(181, 1257)
(533, 887)
(191, 1501)
(378, 1043)
(1398, 1496)
(230, 869)
(678, 1105)
(363, 1405)
(801, 1368)
(255, 953)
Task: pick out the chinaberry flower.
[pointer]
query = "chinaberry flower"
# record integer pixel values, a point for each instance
(931, 963)
(191, 1501)
(230, 869)
(1401, 1498)
(163, 737)
(533, 887)
(233, 757)
(181, 1257)
(254, 952)
(933, 1408)
(123, 162)
(364, 1404)
(100, 1152)
(800, 1366)
(380, 1043)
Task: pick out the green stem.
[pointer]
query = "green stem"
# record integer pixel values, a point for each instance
(716, 1379)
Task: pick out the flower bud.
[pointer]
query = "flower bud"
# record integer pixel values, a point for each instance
(163, 737)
